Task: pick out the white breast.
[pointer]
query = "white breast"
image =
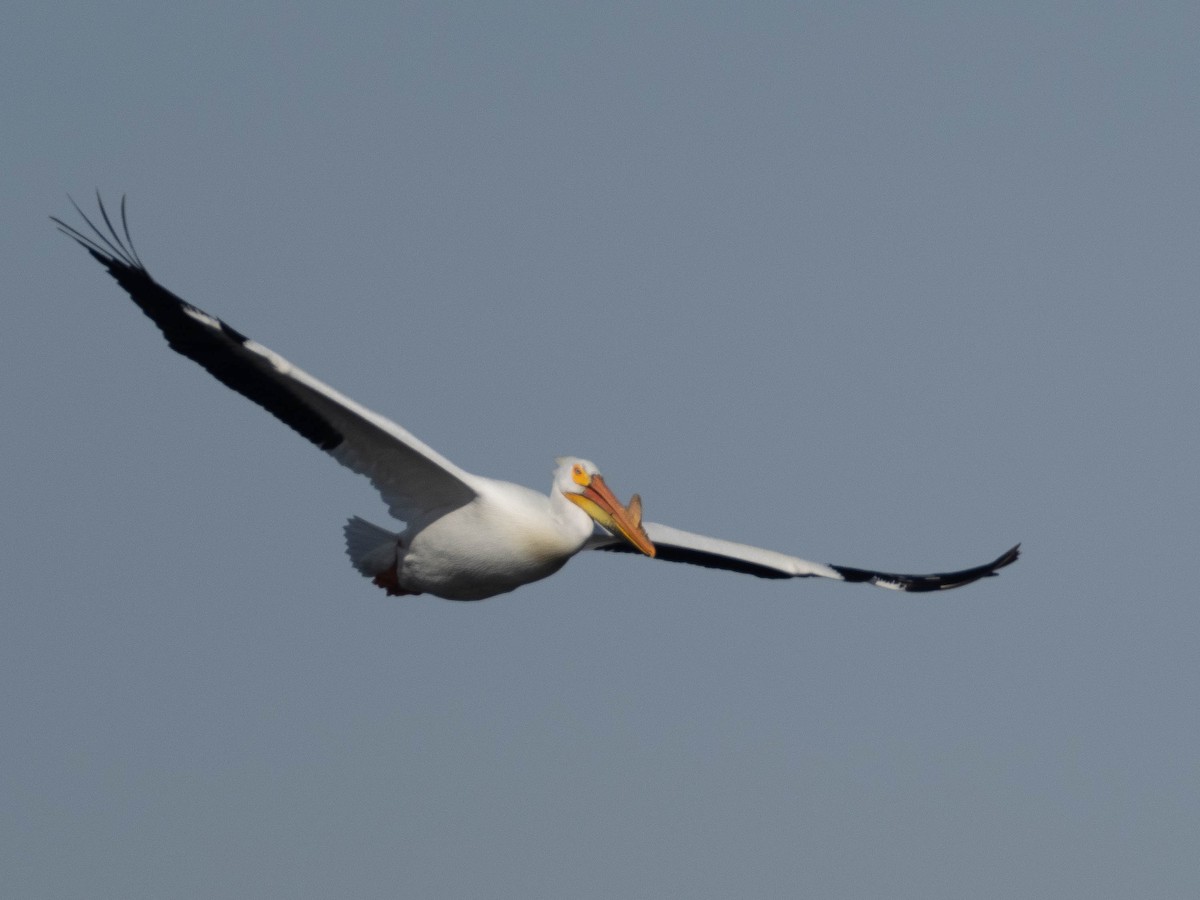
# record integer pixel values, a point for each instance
(507, 537)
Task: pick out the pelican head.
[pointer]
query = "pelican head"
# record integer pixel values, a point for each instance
(581, 482)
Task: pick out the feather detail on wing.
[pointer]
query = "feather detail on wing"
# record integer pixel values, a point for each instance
(411, 477)
(674, 545)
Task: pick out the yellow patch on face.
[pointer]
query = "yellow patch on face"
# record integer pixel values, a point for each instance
(580, 476)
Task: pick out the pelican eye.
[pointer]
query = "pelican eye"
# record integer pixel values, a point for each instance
(579, 476)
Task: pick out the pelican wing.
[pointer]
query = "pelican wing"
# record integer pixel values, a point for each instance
(674, 545)
(411, 477)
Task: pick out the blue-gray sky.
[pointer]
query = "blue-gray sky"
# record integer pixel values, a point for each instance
(876, 284)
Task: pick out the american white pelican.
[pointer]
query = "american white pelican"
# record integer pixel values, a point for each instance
(467, 537)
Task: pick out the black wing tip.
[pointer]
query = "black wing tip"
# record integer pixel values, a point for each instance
(205, 339)
(1007, 558)
(109, 246)
(940, 581)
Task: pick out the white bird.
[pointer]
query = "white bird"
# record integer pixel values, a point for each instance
(467, 537)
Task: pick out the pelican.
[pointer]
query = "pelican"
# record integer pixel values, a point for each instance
(467, 537)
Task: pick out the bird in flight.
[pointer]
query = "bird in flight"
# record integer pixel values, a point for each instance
(467, 537)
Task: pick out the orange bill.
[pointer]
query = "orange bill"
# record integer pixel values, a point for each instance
(602, 505)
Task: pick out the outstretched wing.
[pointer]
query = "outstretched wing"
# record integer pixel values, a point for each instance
(411, 477)
(674, 545)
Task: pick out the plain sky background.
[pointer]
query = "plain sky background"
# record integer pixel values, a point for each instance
(876, 284)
